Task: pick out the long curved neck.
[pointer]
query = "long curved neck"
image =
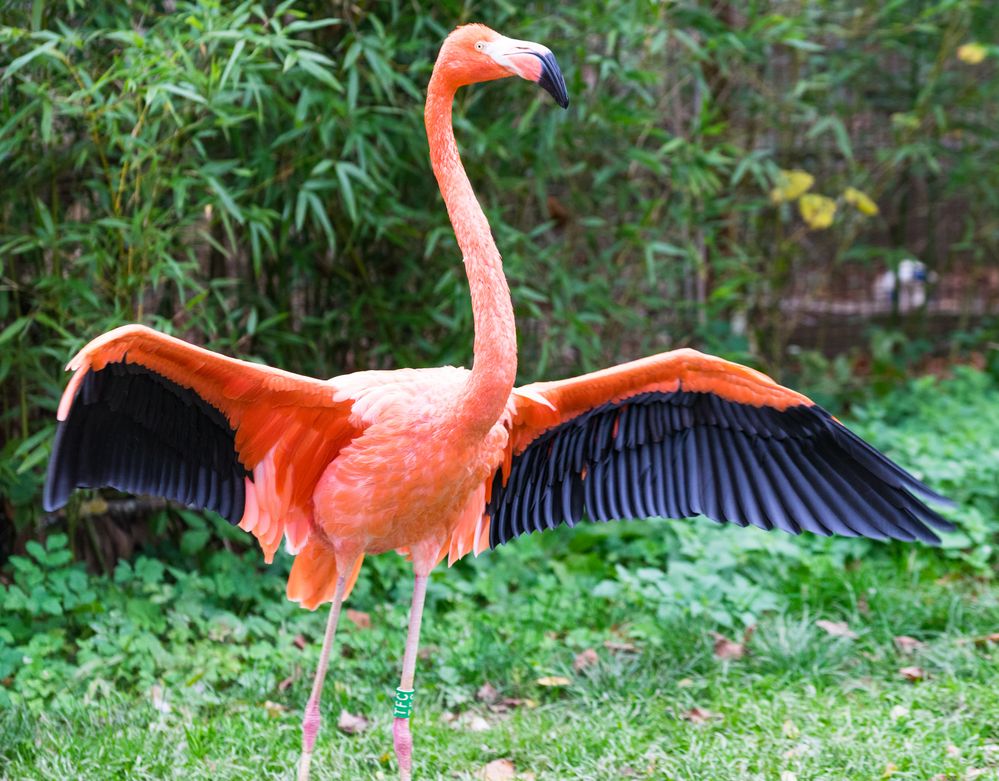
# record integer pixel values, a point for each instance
(495, 348)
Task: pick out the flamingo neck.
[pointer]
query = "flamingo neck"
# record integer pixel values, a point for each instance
(494, 367)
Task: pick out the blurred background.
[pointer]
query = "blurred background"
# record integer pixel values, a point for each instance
(807, 187)
(811, 188)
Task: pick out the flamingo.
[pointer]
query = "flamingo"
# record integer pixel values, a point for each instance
(438, 463)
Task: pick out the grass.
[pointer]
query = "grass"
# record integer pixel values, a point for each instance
(800, 701)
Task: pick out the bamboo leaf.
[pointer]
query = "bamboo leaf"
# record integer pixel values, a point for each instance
(236, 51)
(228, 202)
(47, 49)
(15, 329)
(347, 189)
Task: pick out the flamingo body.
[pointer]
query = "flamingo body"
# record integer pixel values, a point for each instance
(437, 463)
(408, 479)
(378, 460)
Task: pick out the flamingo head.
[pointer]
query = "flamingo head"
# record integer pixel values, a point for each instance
(474, 53)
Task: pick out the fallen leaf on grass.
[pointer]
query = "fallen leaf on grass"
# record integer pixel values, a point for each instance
(953, 751)
(727, 649)
(299, 642)
(473, 722)
(685, 683)
(907, 645)
(159, 700)
(912, 673)
(553, 680)
(836, 628)
(585, 659)
(975, 772)
(359, 618)
(287, 682)
(487, 693)
(497, 770)
(617, 647)
(790, 729)
(558, 211)
(274, 709)
(980, 641)
(509, 703)
(899, 712)
(698, 715)
(351, 724)
(890, 769)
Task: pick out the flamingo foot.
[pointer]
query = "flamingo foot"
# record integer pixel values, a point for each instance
(310, 728)
(403, 741)
(311, 719)
(401, 736)
(310, 725)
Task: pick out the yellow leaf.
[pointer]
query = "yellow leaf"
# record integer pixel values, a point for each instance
(553, 680)
(861, 200)
(274, 709)
(890, 769)
(972, 53)
(791, 185)
(817, 210)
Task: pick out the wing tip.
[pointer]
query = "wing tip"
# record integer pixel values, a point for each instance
(51, 502)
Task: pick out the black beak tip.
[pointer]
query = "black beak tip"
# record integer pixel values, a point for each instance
(552, 80)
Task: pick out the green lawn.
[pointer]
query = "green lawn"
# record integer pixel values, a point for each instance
(800, 700)
(209, 632)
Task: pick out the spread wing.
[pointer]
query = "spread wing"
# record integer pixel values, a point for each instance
(148, 413)
(681, 434)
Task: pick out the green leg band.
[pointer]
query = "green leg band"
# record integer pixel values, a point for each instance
(403, 703)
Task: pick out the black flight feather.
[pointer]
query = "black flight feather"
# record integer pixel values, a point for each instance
(132, 429)
(677, 454)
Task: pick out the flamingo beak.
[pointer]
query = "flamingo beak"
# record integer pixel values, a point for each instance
(552, 81)
(533, 62)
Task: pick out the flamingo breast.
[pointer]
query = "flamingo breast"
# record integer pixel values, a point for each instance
(409, 477)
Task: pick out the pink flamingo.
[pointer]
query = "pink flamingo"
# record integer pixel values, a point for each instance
(437, 463)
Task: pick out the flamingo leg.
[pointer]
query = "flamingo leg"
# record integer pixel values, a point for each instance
(311, 719)
(402, 738)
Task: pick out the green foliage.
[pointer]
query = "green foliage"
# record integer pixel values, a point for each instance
(947, 432)
(255, 179)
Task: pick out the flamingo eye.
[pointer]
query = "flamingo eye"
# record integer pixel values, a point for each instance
(480, 45)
